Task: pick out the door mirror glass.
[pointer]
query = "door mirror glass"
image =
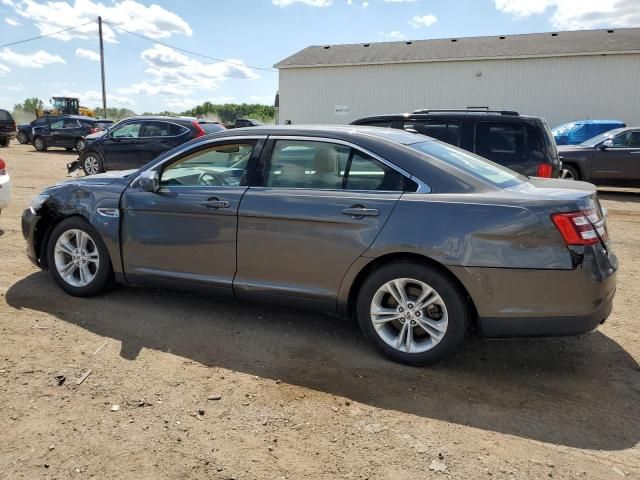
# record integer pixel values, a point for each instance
(606, 144)
(149, 181)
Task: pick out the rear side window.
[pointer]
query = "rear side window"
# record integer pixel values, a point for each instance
(449, 132)
(161, 129)
(5, 116)
(379, 123)
(504, 143)
(329, 166)
(634, 141)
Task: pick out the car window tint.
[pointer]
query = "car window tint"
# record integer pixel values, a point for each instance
(155, 129)
(130, 130)
(70, 123)
(57, 124)
(622, 140)
(222, 165)
(379, 123)
(367, 173)
(634, 141)
(175, 129)
(39, 122)
(212, 127)
(5, 116)
(446, 131)
(503, 143)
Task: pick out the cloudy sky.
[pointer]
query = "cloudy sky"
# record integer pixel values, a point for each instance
(249, 35)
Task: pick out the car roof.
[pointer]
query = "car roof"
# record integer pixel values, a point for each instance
(340, 132)
(594, 122)
(161, 117)
(450, 114)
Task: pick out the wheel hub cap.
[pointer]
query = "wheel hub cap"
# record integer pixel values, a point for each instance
(76, 258)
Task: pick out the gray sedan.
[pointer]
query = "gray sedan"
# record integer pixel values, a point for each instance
(419, 240)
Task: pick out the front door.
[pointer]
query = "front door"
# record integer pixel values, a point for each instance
(185, 233)
(620, 162)
(318, 207)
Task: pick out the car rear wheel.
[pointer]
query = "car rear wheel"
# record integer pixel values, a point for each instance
(40, 144)
(79, 145)
(568, 172)
(78, 259)
(91, 163)
(22, 138)
(412, 313)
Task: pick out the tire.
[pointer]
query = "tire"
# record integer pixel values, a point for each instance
(79, 145)
(569, 172)
(86, 279)
(91, 163)
(68, 149)
(22, 138)
(39, 144)
(449, 312)
(4, 142)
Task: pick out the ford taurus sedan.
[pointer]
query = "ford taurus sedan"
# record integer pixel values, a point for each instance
(417, 239)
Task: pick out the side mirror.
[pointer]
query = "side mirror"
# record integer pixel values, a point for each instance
(606, 144)
(149, 181)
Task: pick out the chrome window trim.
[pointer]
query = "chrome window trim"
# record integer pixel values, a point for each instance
(128, 122)
(422, 187)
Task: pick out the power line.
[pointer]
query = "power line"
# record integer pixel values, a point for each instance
(190, 52)
(47, 35)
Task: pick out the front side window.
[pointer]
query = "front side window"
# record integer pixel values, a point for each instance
(634, 141)
(622, 140)
(449, 132)
(57, 124)
(330, 166)
(503, 143)
(221, 165)
(130, 130)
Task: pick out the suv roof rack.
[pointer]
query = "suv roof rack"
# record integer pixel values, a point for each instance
(468, 110)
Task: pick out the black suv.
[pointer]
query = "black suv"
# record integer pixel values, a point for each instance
(522, 143)
(66, 131)
(135, 141)
(7, 128)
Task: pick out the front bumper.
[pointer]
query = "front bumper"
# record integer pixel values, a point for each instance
(530, 303)
(30, 224)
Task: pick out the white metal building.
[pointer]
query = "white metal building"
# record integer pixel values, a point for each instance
(562, 76)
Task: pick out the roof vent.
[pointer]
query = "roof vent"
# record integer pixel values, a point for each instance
(502, 38)
(327, 47)
(610, 31)
(554, 34)
(454, 39)
(408, 43)
(366, 44)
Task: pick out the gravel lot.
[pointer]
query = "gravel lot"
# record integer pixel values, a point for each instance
(302, 396)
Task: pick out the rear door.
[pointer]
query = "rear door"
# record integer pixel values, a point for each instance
(317, 205)
(120, 146)
(157, 137)
(71, 131)
(619, 163)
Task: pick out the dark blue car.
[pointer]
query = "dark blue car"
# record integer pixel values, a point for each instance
(574, 133)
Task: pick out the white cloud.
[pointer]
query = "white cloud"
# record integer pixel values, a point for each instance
(153, 21)
(395, 35)
(92, 98)
(365, 4)
(30, 60)
(576, 14)
(312, 3)
(423, 21)
(12, 22)
(263, 99)
(18, 87)
(174, 74)
(4, 70)
(88, 54)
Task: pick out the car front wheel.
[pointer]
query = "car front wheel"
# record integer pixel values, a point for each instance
(91, 163)
(412, 313)
(39, 144)
(22, 138)
(79, 145)
(78, 259)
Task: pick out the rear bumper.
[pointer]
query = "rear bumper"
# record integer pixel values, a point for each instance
(9, 134)
(30, 221)
(529, 303)
(5, 191)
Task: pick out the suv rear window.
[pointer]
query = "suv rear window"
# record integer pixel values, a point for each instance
(449, 132)
(504, 143)
(5, 116)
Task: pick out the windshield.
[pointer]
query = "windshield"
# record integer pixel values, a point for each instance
(592, 142)
(564, 129)
(472, 164)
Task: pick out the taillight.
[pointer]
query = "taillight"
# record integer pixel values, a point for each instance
(544, 170)
(199, 130)
(3, 167)
(580, 228)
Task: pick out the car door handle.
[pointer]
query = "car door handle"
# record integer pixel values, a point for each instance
(359, 211)
(214, 203)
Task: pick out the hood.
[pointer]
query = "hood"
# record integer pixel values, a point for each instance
(95, 136)
(99, 179)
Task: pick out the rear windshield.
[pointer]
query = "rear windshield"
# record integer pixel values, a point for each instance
(212, 127)
(5, 116)
(472, 164)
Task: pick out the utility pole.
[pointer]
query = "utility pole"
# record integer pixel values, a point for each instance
(104, 90)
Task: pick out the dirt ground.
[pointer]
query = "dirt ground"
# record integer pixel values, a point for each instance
(302, 396)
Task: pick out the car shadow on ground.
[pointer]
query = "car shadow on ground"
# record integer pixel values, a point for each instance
(59, 151)
(580, 392)
(627, 196)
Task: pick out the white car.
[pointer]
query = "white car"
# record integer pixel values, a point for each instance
(5, 185)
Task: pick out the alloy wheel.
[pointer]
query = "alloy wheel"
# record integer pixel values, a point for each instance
(409, 315)
(22, 138)
(566, 174)
(76, 257)
(79, 145)
(91, 165)
(39, 144)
